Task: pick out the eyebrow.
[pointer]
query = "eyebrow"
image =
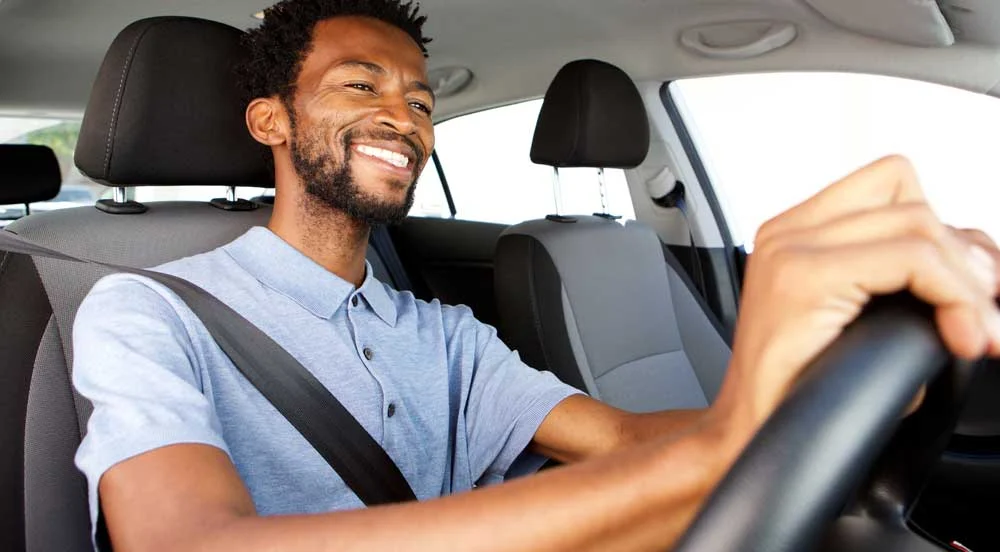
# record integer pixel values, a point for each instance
(377, 69)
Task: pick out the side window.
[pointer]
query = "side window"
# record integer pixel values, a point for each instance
(769, 141)
(78, 190)
(486, 161)
(61, 136)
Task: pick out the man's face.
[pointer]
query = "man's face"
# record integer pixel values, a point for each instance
(361, 123)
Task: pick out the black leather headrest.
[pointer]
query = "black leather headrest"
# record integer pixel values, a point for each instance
(592, 116)
(166, 109)
(28, 174)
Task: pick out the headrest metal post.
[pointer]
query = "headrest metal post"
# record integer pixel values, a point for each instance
(603, 187)
(122, 202)
(233, 203)
(557, 190)
(27, 209)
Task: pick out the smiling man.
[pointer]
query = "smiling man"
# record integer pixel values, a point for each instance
(182, 453)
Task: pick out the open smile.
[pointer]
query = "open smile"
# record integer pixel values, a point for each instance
(393, 161)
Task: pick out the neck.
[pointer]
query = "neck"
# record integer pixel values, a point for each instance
(327, 236)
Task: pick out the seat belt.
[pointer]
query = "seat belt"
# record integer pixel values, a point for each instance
(340, 439)
(382, 242)
(676, 199)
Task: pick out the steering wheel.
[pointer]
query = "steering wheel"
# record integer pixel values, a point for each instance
(836, 467)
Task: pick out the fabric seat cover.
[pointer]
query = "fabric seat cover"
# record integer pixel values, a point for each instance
(604, 305)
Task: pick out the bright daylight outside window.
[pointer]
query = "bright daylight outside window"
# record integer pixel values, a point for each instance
(769, 141)
(486, 160)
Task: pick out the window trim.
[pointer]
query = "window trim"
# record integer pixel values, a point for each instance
(444, 183)
(705, 182)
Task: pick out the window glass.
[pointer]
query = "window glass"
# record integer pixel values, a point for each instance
(61, 135)
(486, 160)
(769, 141)
(485, 157)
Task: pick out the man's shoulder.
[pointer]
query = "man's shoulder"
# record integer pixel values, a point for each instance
(121, 293)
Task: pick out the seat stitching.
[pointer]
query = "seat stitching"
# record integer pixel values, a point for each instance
(118, 96)
(3, 263)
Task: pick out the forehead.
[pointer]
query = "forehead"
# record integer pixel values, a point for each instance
(363, 39)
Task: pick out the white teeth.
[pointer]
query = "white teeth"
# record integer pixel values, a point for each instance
(396, 159)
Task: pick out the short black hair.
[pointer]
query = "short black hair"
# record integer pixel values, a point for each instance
(277, 48)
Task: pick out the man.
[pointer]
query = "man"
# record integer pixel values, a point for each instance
(182, 453)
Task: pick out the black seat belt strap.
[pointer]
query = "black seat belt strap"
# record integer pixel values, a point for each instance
(310, 407)
(382, 242)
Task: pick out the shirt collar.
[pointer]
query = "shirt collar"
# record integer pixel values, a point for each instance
(281, 267)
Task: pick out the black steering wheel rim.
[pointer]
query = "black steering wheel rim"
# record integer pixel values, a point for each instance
(841, 424)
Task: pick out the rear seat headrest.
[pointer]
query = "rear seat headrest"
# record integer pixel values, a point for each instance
(592, 116)
(166, 109)
(28, 174)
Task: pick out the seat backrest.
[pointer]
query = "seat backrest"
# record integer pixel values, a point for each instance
(27, 174)
(601, 304)
(165, 110)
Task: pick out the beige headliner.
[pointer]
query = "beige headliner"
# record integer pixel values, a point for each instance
(50, 49)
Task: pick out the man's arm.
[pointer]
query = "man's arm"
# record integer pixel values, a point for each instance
(813, 270)
(190, 497)
(580, 427)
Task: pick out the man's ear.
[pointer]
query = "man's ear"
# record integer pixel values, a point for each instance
(267, 121)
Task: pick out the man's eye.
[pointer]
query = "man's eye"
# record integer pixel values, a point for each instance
(362, 86)
(422, 107)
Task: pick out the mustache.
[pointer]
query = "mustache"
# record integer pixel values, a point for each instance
(416, 151)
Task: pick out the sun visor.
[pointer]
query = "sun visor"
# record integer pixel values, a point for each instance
(915, 22)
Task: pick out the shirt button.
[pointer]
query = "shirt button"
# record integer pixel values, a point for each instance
(369, 354)
(354, 300)
(391, 410)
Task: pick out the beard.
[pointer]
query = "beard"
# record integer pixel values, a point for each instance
(333, 185)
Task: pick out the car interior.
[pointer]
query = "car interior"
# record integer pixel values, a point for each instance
(638, 314)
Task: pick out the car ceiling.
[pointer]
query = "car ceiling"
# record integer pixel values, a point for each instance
(50, 49)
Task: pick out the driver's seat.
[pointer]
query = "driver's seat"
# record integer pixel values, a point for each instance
(165, 110)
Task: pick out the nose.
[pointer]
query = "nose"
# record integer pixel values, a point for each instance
(395, 113)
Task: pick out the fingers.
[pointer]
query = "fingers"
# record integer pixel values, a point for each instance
(968, 320)
(876, 225)
(888, 181)
(978, 240)
(915, 220)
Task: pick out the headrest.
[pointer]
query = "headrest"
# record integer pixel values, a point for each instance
(166, 110)
(28, 174)
(592, 116)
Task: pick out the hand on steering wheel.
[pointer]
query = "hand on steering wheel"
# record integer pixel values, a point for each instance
(815, 267)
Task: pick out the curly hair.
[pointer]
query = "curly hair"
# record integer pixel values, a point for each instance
(277, 48)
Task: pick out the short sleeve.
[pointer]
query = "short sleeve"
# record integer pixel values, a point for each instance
(135, 361)
(506, 403)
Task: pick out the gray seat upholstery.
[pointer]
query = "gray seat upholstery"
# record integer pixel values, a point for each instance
(604, 305)
(165, 85)
(27, 174)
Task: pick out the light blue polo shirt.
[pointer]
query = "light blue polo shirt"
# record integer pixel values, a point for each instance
(450, 403)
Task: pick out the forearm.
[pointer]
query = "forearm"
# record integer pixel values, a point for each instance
(580, 428)
(638, 499)
(642, 428)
